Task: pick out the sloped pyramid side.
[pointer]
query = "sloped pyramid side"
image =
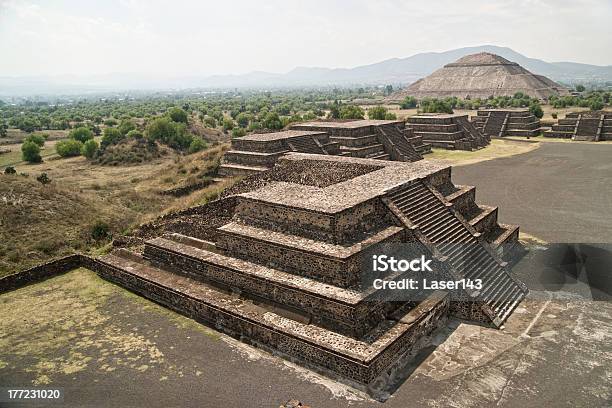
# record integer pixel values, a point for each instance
(480, 76)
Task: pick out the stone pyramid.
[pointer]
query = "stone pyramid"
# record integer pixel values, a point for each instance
(480, 76)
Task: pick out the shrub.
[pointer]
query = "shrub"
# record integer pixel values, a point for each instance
(390, 116)
(351, 112)
(238, 132)
(177, 115)
(377, 112)
(197, 144)
(272, 121)
(554, 115)
(89, 148)
(111, 122)
(111, 136)
(134, 134)
(10, 170)
(228, 124)
(596, 104)
(43, 178)
(38, 139)
(100, 230)
(30, 152)
(428, 105)
(408, 102)
(170, 133)
(580, 88)
(210, 122)
(536, 110)
(82, 134)
(68, 148)
(126, 126)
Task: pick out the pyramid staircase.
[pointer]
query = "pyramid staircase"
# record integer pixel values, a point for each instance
(446, 131)
(306, 145)
(507, 122)
(467, 255)
(584, 126)
(396, 143)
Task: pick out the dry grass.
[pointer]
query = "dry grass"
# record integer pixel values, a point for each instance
(498, 148)
(38, 222)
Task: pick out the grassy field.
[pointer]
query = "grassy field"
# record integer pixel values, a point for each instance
(498, 148)
(39, 222)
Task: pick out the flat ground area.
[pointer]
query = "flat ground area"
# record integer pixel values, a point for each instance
(107, 347)
(560, 192)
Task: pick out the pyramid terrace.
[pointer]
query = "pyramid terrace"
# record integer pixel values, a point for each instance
(375, 139)
(284, 271)
(447, 131)
(592, 126)
(507, 122)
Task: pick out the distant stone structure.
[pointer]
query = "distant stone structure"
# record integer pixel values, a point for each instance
(587, 126)
(375, 139)
(284, 270)
(507, 122)
(480, 76)
(447, 131)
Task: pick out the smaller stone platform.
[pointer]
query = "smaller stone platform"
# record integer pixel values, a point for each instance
(447, 131)
(592, 126)
(258, 152)
(372, 139)
(507, 122)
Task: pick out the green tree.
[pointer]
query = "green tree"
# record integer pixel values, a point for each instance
(351, 112)
(38, 139)
(243, 119)
(197, 144)
(89, 148)
(68, 147)
(30, 152)
(390, 116)
(228, 124)
(170, 133)
(126, 126)
(111, 122)
(536, 110)
(111, 136)
(9, 170)
(82, 134)
(377, 112)
(178, 115)
(580, 88)
(272, 121)
(210, 122)
(134, 134)
(409, 102)
(238, 132)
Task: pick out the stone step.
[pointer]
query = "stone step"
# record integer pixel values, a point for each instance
(257, 159)
(334, 264)
(228, 169)
(364, 151)
(485, 220)
(471, 258)
(320, 348)
(355, 141)
(348, 311)
(504, 238)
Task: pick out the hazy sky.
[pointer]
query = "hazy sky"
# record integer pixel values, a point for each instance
(224, 36)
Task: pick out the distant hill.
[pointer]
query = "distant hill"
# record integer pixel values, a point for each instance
(392, 71)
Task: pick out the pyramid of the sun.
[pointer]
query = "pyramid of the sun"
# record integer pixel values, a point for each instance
(480, 76)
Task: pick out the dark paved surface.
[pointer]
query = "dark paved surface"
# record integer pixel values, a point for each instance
(561, 192)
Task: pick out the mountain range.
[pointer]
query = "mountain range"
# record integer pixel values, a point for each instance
(397, 71)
